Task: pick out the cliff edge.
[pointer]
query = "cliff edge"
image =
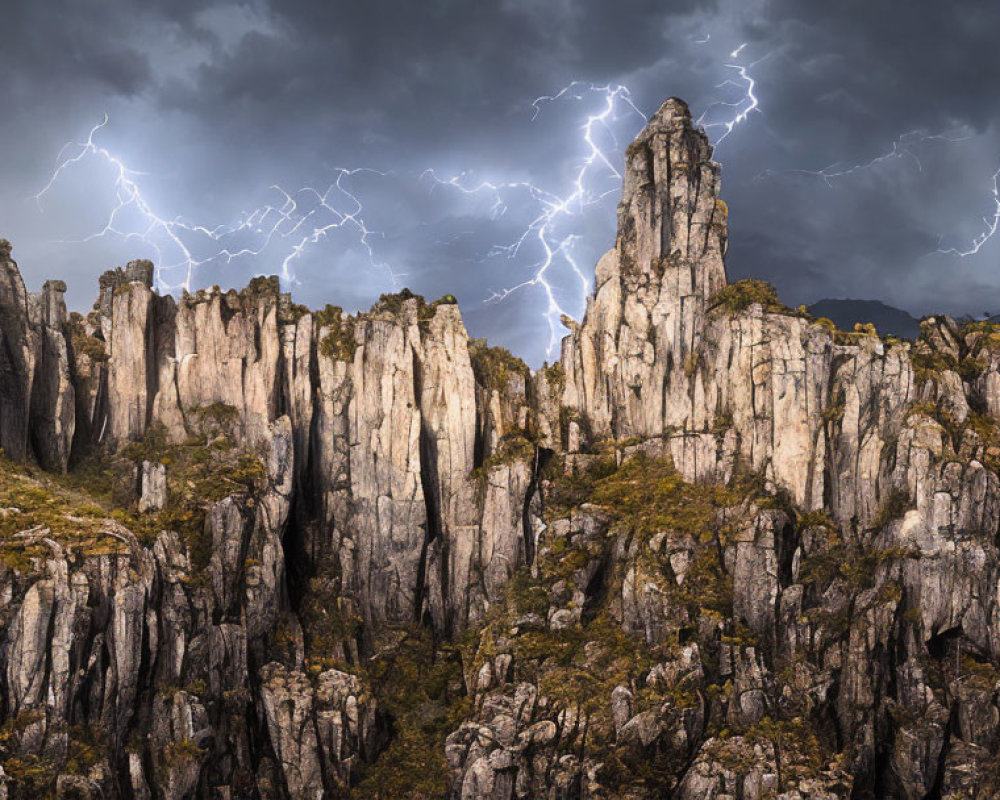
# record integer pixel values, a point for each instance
(720, 549)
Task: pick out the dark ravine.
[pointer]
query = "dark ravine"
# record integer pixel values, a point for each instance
(719, 550)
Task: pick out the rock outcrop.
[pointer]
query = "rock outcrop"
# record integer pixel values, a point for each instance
(719, 550)
(37, 399)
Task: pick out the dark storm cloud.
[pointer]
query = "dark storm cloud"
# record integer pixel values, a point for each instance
(218, 101)
(397, 73)
(843, 83)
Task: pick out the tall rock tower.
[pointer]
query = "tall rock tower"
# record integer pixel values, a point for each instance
(670, 212)
(630, 363)
(37, 401)
(658, 357)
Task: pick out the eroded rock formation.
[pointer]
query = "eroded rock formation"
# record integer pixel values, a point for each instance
(720, 549)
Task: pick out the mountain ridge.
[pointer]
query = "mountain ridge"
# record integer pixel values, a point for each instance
(847, 312)
(720, 548)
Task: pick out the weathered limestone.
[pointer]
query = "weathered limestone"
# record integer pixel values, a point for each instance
(153, 487)
(319, 730)
(18, 358)
(37, 397)
(401, 483)
(628, 367)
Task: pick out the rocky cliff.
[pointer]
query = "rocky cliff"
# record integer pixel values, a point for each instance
(720, 549)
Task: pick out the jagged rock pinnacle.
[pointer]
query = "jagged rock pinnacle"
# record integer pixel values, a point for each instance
(673, 115)
(670, 200)
(307, 509)
(655, 286)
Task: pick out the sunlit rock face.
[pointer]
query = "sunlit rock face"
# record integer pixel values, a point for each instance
(388, 424)
(718, 550)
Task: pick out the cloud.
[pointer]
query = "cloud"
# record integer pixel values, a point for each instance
(216, 102)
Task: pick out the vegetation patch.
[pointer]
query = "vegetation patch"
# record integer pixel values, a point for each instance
(421, 690)
(339, 341)
(200, 471)
(179, 752)
(649, 495)
(555, 376)
(84, 343)
(217, 415)
(566, 490)
(739, 296)
(261, 287)
(495, 366)
(35, 506)
(927, 363)
(329, 620)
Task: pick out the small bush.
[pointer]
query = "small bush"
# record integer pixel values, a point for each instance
(393, 303)
(494, 366)
(555, 375)
(422, 690)
(741, 295)
(339, 342)
(219, 414)
(893, 507)
(928, 363)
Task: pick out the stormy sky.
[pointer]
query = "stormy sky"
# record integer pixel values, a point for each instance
(866, 170)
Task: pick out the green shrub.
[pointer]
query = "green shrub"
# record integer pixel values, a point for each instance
(739, 296)
(261, 287)
(421, 689)
(555, 375)
(393, 303)
(650, 495)
(220, 415)
(928, 363)
(184, 750)
(494, 366)
(89, 346)
(339, 342)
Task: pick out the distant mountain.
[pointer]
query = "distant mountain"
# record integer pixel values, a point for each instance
(887, 319)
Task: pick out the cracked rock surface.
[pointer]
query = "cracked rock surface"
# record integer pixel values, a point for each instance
(720, 549)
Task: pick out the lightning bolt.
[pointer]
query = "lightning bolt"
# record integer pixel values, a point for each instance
(903, 148)
(987, 234)
(338, 218)
(127, 195)
(742, 108)
(556, 208)
(299, 219)
(307, 216)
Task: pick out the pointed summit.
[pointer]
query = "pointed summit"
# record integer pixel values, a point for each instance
(631, 366)
(672, 115)
(670, 205)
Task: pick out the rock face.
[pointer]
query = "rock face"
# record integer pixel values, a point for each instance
(719, 550)
(37, 399)
(385, 415)
(394, 484)
(885, 444)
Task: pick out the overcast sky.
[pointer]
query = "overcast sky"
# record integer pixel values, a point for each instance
(873, 147)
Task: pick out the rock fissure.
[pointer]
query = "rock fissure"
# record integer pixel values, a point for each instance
(719, 550)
